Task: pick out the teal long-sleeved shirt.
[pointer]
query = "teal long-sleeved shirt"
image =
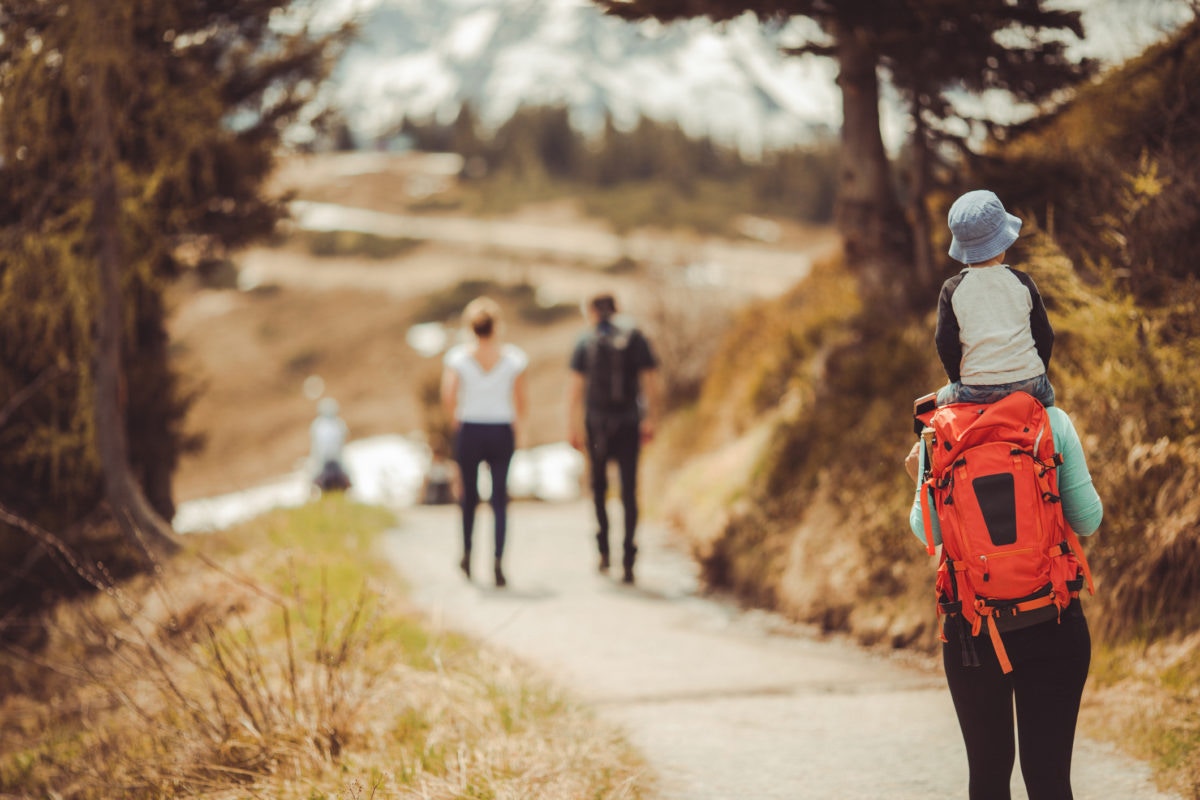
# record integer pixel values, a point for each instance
(1080, 503)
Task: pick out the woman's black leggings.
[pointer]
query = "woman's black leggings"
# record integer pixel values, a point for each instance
(1050, 665)
(492, 444)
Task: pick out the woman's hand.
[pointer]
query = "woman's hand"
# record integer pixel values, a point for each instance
(912, 461)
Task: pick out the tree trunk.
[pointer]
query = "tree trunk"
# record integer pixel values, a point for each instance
(124, 495)
(878, 243)
(923, 267)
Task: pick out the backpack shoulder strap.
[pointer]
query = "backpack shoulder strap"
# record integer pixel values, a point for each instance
(591, 345)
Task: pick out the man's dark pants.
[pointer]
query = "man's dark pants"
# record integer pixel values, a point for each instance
(615, 440)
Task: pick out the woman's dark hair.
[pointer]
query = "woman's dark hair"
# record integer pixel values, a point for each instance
(482, 315)
(483, 327)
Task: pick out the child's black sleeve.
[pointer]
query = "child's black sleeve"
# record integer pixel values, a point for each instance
(949, 347)
(1039, 322)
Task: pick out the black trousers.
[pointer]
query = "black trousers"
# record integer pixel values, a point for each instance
(1050, 666)
(492, 444)
(615, 440)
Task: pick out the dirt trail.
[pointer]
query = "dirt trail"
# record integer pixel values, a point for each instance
(724, 704)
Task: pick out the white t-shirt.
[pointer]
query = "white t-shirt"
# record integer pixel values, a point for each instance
(486, 396)
(328, 435)
(993, 307)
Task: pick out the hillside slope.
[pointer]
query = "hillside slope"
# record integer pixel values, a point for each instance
(805, 502)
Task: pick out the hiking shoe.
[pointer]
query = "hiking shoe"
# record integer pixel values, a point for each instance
(500, 581)
(604, 563)
(465, 566)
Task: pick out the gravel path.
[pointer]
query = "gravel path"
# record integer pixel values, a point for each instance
(723, 703)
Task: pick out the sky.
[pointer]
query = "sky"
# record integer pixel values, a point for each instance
(1120, 29)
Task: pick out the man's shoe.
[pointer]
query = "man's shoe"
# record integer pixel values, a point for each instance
(604, 563)
(465, 565)
(500, 581)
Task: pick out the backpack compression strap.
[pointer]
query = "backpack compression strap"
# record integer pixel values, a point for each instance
(992, 612)
(998, 644)
(926, 516)
(1077, 549)
(1072, 540)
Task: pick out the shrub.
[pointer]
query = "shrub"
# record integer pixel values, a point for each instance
(357, 243)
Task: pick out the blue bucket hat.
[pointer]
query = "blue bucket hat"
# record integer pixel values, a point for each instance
(981, 228)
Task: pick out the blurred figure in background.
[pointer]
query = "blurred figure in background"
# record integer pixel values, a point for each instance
(483, 391)
(327, 437)
(612, 406)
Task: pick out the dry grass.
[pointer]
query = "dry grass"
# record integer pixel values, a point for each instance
(1145, 697)
(273, 662)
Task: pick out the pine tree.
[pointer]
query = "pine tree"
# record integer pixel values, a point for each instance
(929, 47)
(135, 138)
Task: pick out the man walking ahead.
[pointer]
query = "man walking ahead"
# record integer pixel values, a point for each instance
(612, 405)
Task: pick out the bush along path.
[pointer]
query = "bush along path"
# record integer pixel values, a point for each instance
(722, 703)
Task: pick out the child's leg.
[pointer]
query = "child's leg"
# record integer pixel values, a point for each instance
(1041, 388)
(1038, 387)
(949, 393)
(983, 394)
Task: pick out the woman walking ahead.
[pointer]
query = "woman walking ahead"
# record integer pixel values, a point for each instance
(483, 391)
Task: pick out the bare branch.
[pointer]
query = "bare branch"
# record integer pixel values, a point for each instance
(55, 545)
(18, 399)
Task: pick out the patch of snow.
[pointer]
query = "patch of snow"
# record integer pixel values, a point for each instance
(428, 338)
(470, 36)
(388, 471)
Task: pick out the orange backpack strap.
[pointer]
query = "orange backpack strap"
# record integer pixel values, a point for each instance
(985, 609)
(1077, 549)
(997, 644)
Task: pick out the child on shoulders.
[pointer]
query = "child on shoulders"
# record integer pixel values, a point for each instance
(993, 336)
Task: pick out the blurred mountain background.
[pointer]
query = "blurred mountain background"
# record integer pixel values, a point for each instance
(422, 60)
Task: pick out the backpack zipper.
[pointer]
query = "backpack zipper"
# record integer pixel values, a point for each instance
(984, 559)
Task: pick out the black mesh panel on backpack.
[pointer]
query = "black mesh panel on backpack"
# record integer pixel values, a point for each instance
(996, 495)
(610, 387)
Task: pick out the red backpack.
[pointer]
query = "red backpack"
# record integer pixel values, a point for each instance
(1008, 557)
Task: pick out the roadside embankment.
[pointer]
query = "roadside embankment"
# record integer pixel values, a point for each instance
(806, 420)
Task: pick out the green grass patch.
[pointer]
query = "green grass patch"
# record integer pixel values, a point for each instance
(706, 206)
(329, 244)
(521, 298)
